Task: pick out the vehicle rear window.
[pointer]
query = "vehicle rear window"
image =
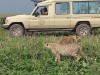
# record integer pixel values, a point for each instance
(87, 7)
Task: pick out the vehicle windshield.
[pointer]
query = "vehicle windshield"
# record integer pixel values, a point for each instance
(35, 5)
(34, 9)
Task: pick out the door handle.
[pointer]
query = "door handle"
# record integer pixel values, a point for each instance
(67, 17)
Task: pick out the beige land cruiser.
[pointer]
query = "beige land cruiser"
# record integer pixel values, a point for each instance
(78, 15)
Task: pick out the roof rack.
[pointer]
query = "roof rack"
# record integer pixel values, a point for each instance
(37, 1)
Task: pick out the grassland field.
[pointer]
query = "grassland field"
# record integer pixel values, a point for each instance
(28, 56)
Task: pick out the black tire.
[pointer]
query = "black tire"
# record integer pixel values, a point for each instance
(17, 30)
(83, 30)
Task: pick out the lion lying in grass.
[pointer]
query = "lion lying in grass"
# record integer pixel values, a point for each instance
(69, 39)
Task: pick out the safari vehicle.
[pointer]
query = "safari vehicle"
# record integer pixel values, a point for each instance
(78, 15)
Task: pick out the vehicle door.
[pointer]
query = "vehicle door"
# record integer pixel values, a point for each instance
(40, 18)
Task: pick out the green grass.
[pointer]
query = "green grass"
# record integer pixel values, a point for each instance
(27, 56)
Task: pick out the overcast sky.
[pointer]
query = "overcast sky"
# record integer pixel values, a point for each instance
(16, 6)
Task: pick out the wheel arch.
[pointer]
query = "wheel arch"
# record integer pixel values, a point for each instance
(82, 22)
(20, 23)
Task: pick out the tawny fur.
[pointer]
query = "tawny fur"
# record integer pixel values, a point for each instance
(69, 39)
(69, 50)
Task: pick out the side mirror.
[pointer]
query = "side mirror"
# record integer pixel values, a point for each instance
(36, 14)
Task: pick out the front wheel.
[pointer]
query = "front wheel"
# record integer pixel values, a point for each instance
(83, 30)
(17, 30)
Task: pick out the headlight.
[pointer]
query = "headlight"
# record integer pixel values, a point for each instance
(6, 21)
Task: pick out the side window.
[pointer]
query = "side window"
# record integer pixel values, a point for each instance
(62, 8)
(95, 7)
(80, 7)
(86, 7)
(42, 10)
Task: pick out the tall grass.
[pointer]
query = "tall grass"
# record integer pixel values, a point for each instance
(28, 56)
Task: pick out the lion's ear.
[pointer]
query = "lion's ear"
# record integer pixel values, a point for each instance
(77, 37)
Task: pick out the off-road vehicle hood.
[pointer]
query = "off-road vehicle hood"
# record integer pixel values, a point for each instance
(19, 17)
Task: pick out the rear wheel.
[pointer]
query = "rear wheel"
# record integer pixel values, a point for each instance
(83, 30)
(17, 30)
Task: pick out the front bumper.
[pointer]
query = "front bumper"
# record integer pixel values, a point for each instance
(5, 26)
